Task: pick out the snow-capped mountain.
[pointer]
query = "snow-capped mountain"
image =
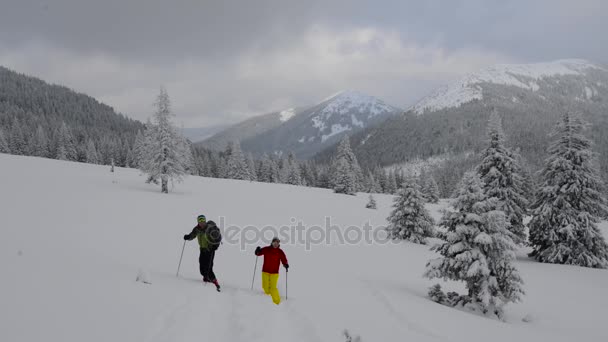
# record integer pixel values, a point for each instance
(524, 76)
(310, 130)
(451, 122)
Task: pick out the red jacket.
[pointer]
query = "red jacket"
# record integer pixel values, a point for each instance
(272, 258)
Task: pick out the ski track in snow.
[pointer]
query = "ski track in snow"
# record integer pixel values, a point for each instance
(244, 317)
(399, 316)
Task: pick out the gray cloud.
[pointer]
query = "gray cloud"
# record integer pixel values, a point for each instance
(222, 61)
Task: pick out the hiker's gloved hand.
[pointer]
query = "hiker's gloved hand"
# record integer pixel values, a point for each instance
(286, 267)
(186, 237)
(258, 250)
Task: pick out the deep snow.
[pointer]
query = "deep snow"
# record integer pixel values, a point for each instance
(74, 238)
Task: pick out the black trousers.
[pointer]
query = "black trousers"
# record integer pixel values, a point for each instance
(205, 262)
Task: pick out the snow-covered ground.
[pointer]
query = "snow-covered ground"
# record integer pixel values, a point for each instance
(74, 237)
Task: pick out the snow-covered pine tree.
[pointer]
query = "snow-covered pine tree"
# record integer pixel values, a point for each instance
(569, 202)
(66, 149)
(40, 143)
(3, 143)
(17, 142)
(371, 204)
(293, 174)
(253, 174)
(92, 157)
(380, 176)
(236, 166)
(431, 189)
(347, 176)
(478, 250)
(139, 147)
(500, 174)
(391, 184)
(166, 154)
(409, 219)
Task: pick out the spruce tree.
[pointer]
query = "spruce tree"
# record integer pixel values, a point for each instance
(409, 219)
(429, 188)
(166, 154)
(478, 250)
(236, 166)
(92, 157)
(347, 176)
(3, 143)
(17, 142)
(252, 169)
(391, 184)
(569, 204)
(293, 174)
(500, 174)
(40, 143)
(66, 149)
(139, 147)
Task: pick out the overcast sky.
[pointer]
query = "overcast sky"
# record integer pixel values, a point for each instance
(223, 61)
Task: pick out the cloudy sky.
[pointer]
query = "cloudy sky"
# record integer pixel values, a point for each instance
(223, 61)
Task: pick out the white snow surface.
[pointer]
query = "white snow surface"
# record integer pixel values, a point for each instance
(349, 100)
(74, 236)
(287, 114)
(344, 103)
(524, 76)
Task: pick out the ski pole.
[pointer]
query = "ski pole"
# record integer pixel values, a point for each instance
(180, 259)
(286, 277)
(254, 269)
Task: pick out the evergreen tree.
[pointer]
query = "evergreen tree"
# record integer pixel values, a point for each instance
(569, 203)
(431, 189)
(92, 157)
(236, 166)
(500, 174)
(391, 184)
(371, 204)
(139, 147)
(347, 176)
(293, 171)
(66, 149)
(3, 143)
(40, 143)
(17, 143)
(166, 154)
(409, 219)
(252, 169)
(478, 250)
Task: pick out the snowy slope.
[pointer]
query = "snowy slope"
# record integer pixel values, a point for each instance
(309, 130)
(524, 76)
(73, 238)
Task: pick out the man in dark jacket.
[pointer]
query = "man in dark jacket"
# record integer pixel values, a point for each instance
(209, 238)
(273, 257)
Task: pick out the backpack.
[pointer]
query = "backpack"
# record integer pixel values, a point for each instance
(214, 236)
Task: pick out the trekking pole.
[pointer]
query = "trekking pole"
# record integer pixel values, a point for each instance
(180, 259)
(286, 277)
(254, 269)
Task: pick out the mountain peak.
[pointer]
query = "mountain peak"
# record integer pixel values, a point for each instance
(519, 75)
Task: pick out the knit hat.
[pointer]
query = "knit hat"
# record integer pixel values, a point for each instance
(201, 218)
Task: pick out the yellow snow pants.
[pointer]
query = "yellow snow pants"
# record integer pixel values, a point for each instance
(269, 284)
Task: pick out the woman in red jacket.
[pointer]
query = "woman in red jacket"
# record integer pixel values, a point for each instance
(273, 256)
